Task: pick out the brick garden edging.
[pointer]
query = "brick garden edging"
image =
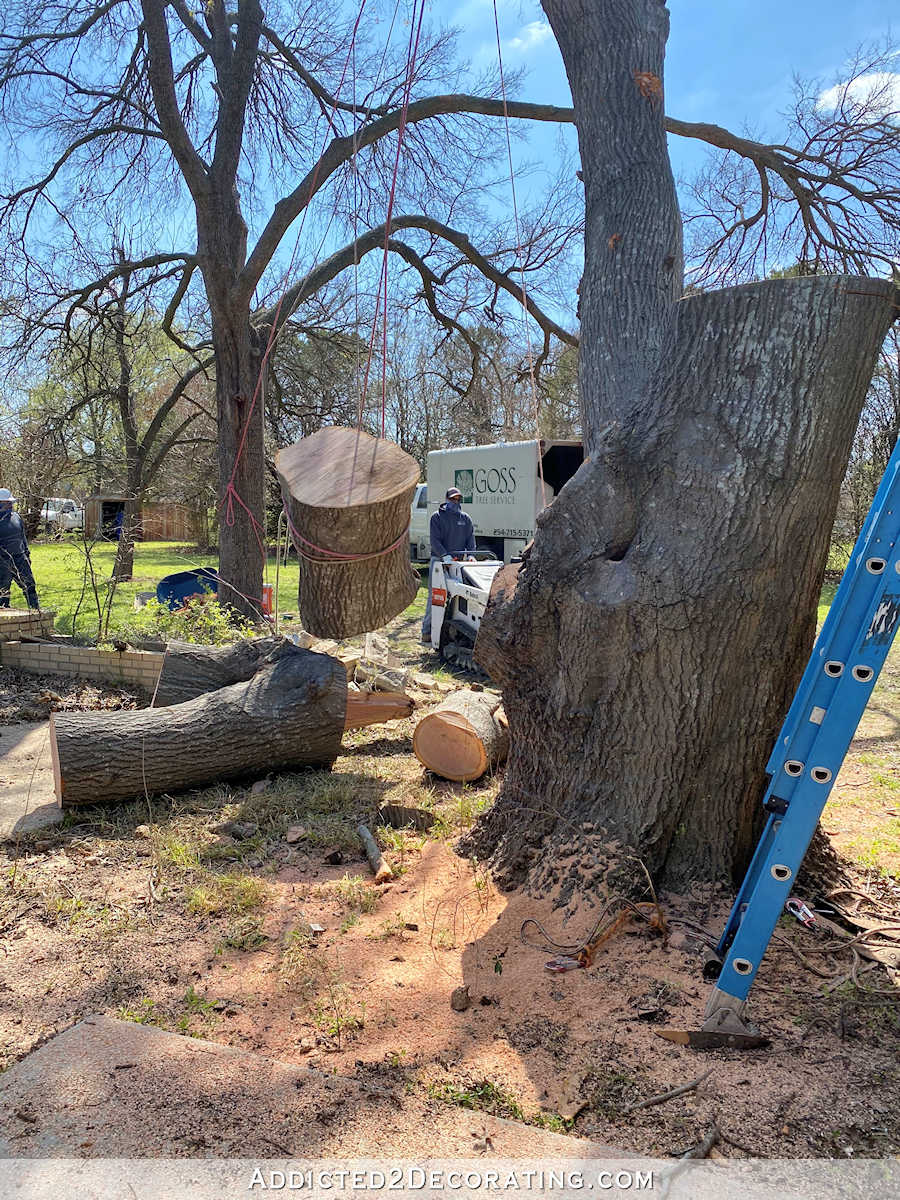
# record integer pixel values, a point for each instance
(134, 668)
(16, 623)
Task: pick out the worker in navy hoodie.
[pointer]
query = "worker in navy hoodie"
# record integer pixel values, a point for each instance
(15, 557)
(452, 536)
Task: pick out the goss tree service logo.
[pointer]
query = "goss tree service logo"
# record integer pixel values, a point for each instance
(487, 485)
(464, 480)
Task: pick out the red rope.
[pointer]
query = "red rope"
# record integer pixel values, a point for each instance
(337, 556)
(415, 33)
(520, 257)
(231, 493)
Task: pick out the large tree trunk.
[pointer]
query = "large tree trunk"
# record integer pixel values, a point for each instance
(667, 607)
(289, 714)
(240, 455)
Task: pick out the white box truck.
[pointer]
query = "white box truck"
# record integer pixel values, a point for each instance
(501, 490)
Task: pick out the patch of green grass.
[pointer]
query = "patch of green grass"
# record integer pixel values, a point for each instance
(393, 927)
(145, 1012)
(481, 1095)
(179, 1020)
(76, 912)
(59, 571)
(468, 805)
(354, 893)
(552, 1122)
(337, 1014)
(231, 893)
(176, 851)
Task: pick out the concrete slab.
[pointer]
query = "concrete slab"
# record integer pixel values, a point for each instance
(27, 798)
(108, 1088)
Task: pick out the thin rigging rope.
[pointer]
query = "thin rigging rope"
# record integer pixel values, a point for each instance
(520, 258)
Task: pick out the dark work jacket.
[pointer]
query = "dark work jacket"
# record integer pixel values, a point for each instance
(452, 532)
(12, 536)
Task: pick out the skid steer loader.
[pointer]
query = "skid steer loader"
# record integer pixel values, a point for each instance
(459, 596)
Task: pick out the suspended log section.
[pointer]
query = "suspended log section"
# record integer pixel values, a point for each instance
(347, 496)
(290, 713)
(464, 737)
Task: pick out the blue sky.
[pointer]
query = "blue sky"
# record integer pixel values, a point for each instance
(730, 62)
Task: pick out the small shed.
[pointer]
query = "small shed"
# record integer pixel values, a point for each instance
(159, 520)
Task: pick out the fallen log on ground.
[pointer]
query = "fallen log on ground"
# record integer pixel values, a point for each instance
(462, 738)
(290, 714)
(347, 496)
(190, 670)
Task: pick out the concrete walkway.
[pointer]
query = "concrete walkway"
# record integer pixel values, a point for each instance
(108, 1088)
(27, 799)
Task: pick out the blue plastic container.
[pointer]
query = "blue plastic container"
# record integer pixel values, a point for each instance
(175, 589)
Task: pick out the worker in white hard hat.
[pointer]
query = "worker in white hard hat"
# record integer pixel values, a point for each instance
(15, 557)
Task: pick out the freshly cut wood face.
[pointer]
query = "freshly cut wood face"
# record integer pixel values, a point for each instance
(449, 745)
(342, 468)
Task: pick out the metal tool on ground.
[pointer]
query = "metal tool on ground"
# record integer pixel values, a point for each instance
(813, 742)
(799, 909)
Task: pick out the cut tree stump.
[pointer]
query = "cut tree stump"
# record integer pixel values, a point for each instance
(189, 671)
(348, 498)
(290, 714)
(462, 738)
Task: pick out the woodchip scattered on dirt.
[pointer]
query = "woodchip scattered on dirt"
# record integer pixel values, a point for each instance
(199, 914)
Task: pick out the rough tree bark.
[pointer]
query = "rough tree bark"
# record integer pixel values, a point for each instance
(189, 670)
(289, 714)
(348, 493)
(667, 607)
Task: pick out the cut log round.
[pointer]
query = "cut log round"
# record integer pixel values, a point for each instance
(348, 497)
(189, 670)
(462, 738)
(290, 714)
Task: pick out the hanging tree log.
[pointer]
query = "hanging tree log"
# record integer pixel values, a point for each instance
(348, 498)
(290, 714)
(189, 670)
(462, 738)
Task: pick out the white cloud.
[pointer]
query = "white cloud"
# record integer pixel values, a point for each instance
(535, 33)
(878, 89)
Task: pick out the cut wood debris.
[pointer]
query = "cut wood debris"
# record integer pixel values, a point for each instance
(462, 738)
(380, 867)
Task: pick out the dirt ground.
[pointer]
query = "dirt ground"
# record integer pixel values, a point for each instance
(216, 914)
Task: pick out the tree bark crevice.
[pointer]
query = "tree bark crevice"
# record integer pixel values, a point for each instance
(646, 727)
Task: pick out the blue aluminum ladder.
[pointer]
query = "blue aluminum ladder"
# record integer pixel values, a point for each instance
(821, 722)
